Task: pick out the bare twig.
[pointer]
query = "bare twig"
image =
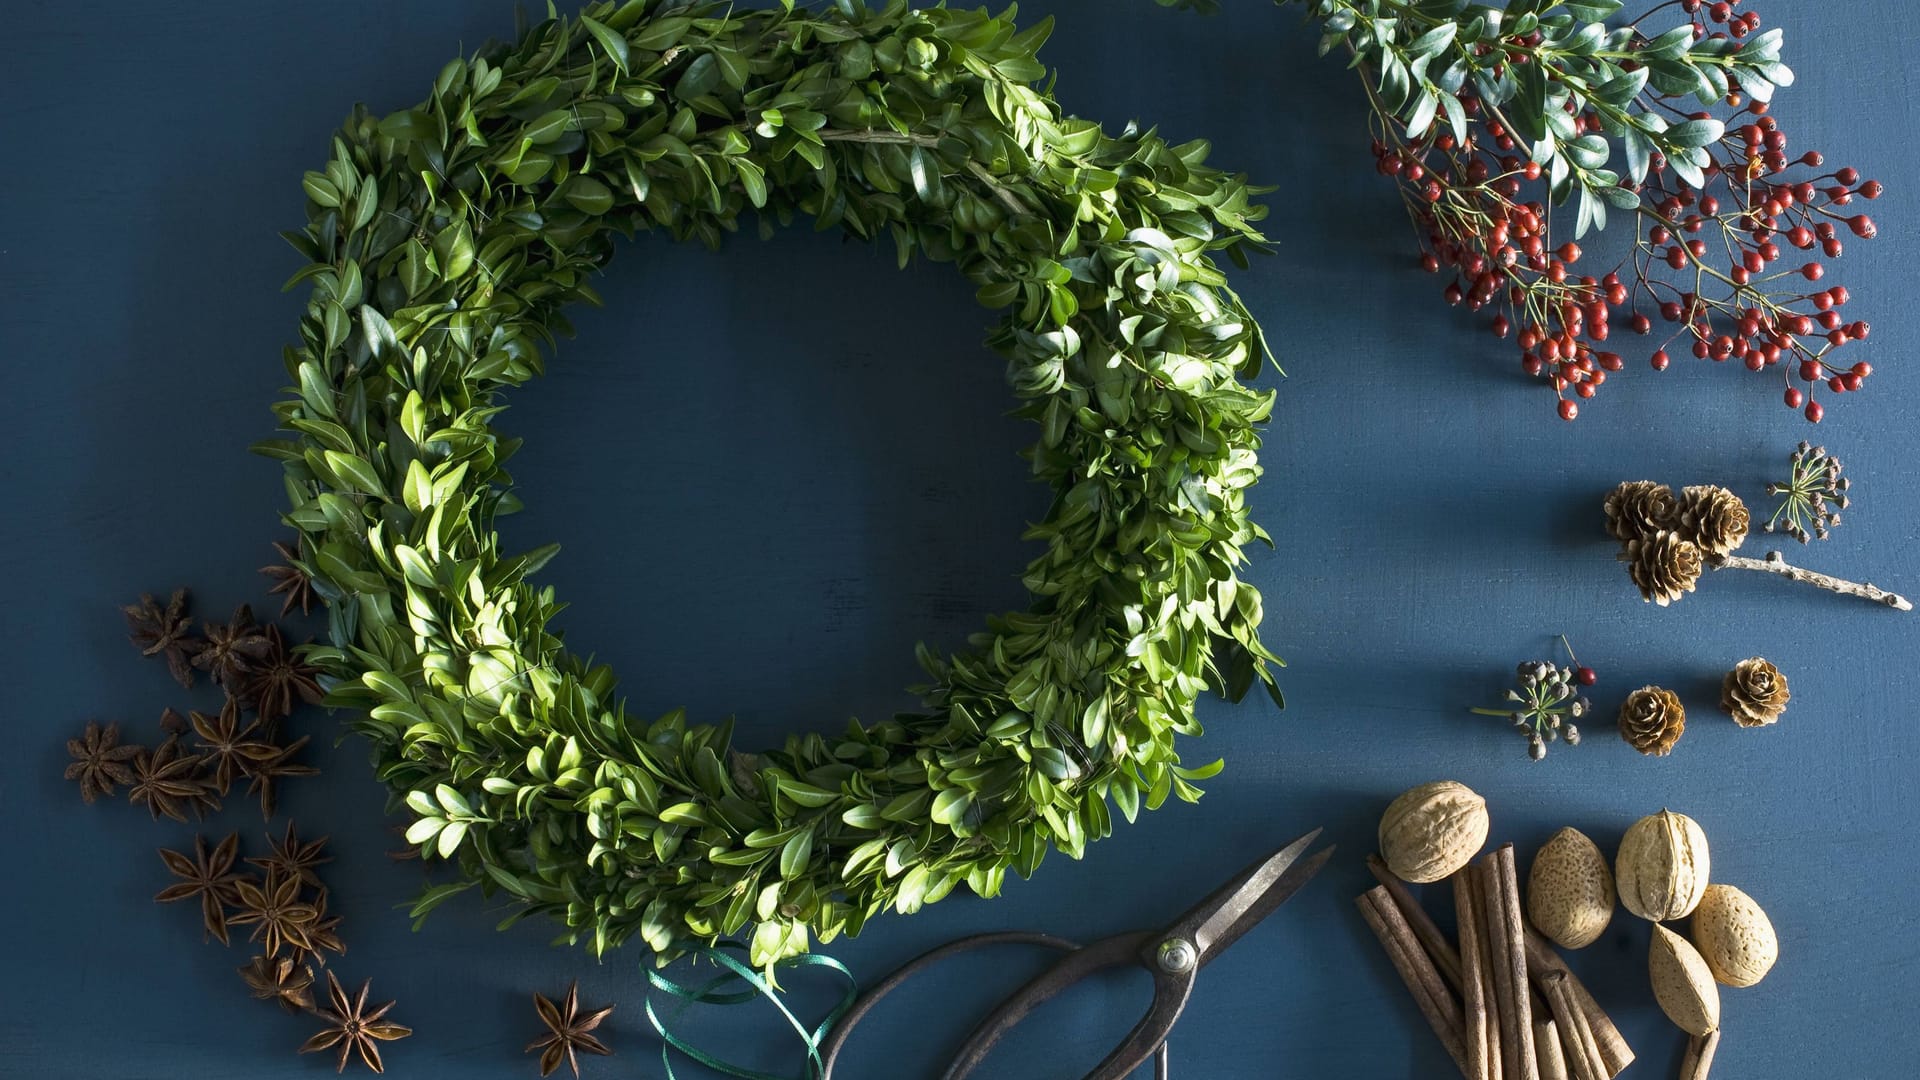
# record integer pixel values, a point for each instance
(1774, 563)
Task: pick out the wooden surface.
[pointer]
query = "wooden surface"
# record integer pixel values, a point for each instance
(774, 468)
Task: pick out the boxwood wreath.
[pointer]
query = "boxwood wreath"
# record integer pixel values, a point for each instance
(444, 243)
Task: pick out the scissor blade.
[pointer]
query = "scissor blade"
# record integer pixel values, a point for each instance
(1256, 893)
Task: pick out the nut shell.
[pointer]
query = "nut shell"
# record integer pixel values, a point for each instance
(1570, 891)
(1683, 984)
(1662, 867)
(1433, 830)
(1734, 936)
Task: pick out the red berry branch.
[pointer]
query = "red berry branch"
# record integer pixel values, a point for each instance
(1492, 119)
(1725, 261)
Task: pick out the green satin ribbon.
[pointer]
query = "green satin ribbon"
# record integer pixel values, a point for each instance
(714, 992)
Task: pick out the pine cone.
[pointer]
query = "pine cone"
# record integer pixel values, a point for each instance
(1754, 692)
(1652, 720)
(1640, 508)
(1664, 566)
(1713, 517)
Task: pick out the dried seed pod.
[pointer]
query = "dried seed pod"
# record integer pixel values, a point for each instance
(1570, 891)
(1433, 830)
(1682, 983)
(1734, 936)
(1754, 693)
(1662, 866)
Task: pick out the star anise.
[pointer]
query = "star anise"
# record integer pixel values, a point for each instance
(167, 782)
(208, 876)
(567, 1031)
(173, 723)
(100, 761)
(353, 1027)
(166, 632)
(228, 747)
(276, 912)
(280, 979)
(277, 678)
(290, 579)
(323, 935)
(231, 650)
(295, 857)
(263, 776)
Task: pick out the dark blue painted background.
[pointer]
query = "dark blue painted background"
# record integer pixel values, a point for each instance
(776, 467)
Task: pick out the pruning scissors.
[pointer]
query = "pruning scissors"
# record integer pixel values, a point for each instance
(1173, 955)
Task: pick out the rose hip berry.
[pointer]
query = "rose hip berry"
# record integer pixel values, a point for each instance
(1709, 262)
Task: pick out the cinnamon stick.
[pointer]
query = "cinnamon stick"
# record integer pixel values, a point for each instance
(1546, 1047)
(1475, 991)
(1541, 960)
(1699, 1057)
(1445, 957)
(1430, 993)
(1507, 931)
(1583, 1053)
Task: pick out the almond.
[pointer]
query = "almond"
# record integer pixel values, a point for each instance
(1734, 936)
(1682, 983)
(1570, 890)
(1433, 830)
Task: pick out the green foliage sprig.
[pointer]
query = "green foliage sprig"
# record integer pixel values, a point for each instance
(1537, 65)
(444, 242)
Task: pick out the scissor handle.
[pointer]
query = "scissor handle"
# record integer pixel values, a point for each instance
(1170, 996)
(830, 1050)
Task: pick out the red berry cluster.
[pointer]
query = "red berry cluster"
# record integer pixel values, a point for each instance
(1724, 268)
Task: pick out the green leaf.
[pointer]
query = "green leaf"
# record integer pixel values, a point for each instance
(701, 78)
(355, 472)
(424, 829)
(1433, 40)
(950, 806)
(752, 180)
(434, 897)
(588, 195)
(659, 35)
(320, 191)
(1695, 132)
(925, 176)
(795, 853)
(610, 40)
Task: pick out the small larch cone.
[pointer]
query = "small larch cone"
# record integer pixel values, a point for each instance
(1713, 518)
(1652, 720)
(1664, 566)
(1754, 692)
(1639, 508)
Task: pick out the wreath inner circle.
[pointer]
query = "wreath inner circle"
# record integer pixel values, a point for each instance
(444, 242)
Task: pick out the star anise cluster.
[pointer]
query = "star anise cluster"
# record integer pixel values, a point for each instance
(251, 661)
(178, 776)
(263, 679)
(285, 903)
(278, 897)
